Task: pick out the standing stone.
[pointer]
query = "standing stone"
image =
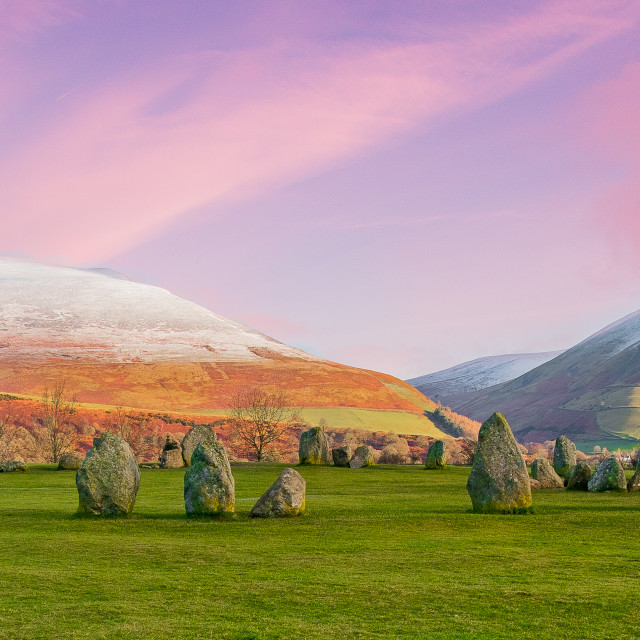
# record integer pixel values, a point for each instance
(314, 448)
(564, 455)
(196, 435)
(543, 472)
(609, 476)
(577, 478)
(499, 481)
(70, 462)
(362, 458)
(534, 484)
(341, 456)
(209, 487)
(285, 497)
(109, 478)
(171, 459)
(634, 481)
(436, 456)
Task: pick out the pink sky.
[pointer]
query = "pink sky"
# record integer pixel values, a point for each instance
(397, 186)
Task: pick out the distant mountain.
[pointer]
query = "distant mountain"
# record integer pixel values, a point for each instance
(590, 391)
(454, 384)
(122, 343)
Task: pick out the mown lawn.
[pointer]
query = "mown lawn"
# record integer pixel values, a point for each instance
(388, 552)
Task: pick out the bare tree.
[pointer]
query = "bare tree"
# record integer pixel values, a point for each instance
(133, 429)
(259, 418)
(57, 435)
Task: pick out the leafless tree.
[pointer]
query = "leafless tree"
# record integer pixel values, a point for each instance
(259, 418)
(57, 436)
(133, 429)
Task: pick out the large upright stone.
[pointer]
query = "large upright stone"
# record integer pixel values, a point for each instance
(341, 456)
(285, 497)
(109, 478)
(499, 481)
(362, 458)
(634, 480)
(314, 448)
(171, 459)
(564, 455)
(436, 456)
(209, 487)
(542, 471)
(200, 434)
(577, 478)
(609, 476)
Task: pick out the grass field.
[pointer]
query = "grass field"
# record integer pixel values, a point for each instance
(387, 552)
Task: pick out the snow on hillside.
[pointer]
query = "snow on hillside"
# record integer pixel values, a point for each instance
(613, 338)
(77, 314)
(482, 372)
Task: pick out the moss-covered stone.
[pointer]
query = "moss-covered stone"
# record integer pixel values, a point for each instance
(499, 481)
(171, 459)
(564, 455)
(314, 448)
(634, 481)
(362, 458)
(542, 471)
(70, 462)
(609, 476)
(436, 456)
(577, 478)
(200, 434)
(209, 487)
(109, 478)
(9, 466)
(341, 456)
(284, 498)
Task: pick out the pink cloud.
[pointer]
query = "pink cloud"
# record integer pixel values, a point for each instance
(120, 162)
(609, 130)
(23, 17)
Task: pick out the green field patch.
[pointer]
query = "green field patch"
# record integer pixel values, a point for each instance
(384, 552)
(373, 420)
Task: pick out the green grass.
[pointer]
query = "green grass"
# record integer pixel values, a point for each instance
(387, 552)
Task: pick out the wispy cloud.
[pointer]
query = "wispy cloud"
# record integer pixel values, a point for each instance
(123, 160)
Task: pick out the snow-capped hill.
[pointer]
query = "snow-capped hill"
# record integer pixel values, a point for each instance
(62, 312)
(613, 338)
(479, 374)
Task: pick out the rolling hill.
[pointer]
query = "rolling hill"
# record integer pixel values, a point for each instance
(590, 392)
(453, 385)
(116, 342)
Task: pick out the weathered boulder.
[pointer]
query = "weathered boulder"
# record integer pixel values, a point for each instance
(542, 471)
(534, 484)
(171, 459)
(436, 456)
(577, 478)
(12, 465)
(109, 478)
(634, 481)
(499, 481)
(314, 448)
(285, 497)
(341, 456)
(209, 487)
(362, 458)
(70, 462)
(200, 434)
(564, 455)
(609, 476)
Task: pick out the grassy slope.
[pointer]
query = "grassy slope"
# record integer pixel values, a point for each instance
(383, 553)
